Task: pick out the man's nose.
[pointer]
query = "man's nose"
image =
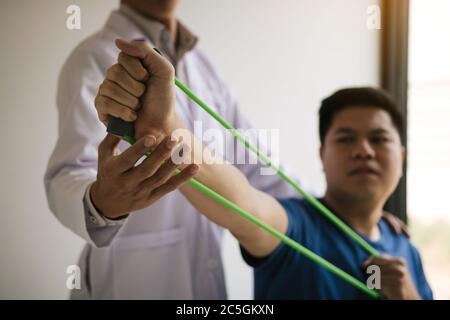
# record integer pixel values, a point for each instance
(363, 150)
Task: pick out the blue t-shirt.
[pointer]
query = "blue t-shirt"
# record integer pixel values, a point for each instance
(287, 274)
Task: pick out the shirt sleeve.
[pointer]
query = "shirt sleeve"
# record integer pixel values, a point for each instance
(298, 228)
(96, 217)
(73, 164)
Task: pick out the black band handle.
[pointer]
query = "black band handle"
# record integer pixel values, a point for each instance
(120, 127)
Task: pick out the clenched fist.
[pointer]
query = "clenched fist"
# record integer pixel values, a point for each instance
(396, 282)
(140, 88)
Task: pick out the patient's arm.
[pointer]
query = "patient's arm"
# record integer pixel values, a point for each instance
(229, 182)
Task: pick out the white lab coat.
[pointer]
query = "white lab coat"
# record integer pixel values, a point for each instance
(168, 250)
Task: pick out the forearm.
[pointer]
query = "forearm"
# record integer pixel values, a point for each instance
(240, 194)
(226, 180)
(230, 183)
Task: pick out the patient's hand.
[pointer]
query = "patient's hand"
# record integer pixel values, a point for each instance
(396, 282)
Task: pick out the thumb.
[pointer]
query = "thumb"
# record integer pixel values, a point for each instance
(155, 63)
(107, 147)
(367, 262)
(132, 48)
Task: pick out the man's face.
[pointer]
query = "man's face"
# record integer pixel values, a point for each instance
(362, 154)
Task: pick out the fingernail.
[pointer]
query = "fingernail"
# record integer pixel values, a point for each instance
(171, 142)
(149, 141)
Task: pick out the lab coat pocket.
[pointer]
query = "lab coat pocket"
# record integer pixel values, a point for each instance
(153, 265)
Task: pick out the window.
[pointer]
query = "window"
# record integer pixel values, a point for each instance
(428, 178)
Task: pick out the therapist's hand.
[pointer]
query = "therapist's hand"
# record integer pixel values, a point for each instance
(140, 88)
(122, 186)
(119, 93)
(396, 282)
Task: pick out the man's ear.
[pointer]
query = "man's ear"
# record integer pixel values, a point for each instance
(321, 152)
(403, 153)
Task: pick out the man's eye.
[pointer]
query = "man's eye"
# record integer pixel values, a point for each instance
(345, 140)
(379, 140)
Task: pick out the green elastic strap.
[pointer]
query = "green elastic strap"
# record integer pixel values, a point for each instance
(313, 201)
(280, 236)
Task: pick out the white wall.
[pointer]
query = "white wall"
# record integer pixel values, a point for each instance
(280, 57)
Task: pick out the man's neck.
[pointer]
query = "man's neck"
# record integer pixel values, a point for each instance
(170, 23)
(165, 17)
(363, 216)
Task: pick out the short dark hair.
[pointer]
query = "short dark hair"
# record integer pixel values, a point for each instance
(357, 97)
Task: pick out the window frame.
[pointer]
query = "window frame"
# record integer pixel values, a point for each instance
(394, 79)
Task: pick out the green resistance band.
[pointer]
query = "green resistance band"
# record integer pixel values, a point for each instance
(313, 201)
(280, 236)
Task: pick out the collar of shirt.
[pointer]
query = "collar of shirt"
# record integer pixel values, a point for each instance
(160, 36)
(368, 239)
